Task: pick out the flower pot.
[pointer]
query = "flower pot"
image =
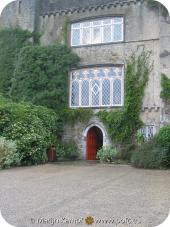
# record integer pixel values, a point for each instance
(51, 153)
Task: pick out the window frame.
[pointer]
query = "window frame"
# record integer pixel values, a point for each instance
(146, 127)
(91, 20)
(100, 106)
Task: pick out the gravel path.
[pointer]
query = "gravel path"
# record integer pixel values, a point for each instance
(64, 194)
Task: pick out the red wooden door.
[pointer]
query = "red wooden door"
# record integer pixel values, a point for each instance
(91, 145)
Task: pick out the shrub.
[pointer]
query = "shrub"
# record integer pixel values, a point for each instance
(163, 137)
(72, 152)
(107, 154)
(8, 153)
(125, 151)
(60, 152)
(33, 128)
(67, 151)
(163, 140)
(149, 155)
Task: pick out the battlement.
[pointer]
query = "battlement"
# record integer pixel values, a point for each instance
(64, 6)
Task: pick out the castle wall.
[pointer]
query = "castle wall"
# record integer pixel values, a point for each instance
(165, 62)
(78, 133)
(20, 13)
(8, 16)
(141, 30)
(144, 27)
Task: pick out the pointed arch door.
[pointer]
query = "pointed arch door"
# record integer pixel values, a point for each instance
(94, 142)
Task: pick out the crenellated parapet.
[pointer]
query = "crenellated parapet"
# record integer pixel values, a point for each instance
(68, 9)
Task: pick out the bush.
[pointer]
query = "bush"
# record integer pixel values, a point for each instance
(72, 152)
(8, 153)
(163, 140)
(125, 152)
(33, 128)
(149, 155)
(163, 137)
(107, 154)
(155, 153)
(67, 151)
(60, 152)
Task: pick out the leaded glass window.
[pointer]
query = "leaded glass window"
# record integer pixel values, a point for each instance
(85, 93)
(148, 131)
(97, 31)
(106, 92)
(75, 94)
(86, 35)
(117, 32)
(116, 91)
(97, 87)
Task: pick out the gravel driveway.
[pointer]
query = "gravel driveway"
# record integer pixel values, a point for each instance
(64, 194)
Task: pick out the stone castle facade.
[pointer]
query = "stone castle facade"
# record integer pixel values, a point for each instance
(103, 33)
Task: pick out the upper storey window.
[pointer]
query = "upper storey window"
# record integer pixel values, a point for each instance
(97, 31)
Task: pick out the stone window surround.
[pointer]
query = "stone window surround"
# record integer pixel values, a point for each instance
(93, 19)
(99, 66)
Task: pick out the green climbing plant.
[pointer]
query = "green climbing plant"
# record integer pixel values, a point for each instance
(77, 115)
(123, 124)
(11, 42)
(63, 38)
(165, 83)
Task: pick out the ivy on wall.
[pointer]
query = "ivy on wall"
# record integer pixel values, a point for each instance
(165, 83)
(37, 74)
(41, 75)
(63, 38)
(82, 115)
(123, 124)
(11, 42)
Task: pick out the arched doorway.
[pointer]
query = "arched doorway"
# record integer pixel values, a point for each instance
(94, 142)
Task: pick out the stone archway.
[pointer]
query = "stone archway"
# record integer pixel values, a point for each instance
(105, 139)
